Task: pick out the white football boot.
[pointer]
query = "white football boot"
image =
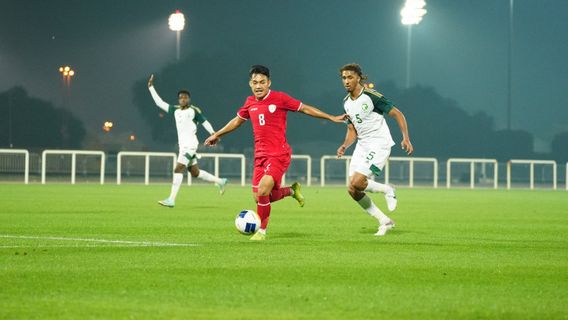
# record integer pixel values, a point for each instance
(384, 228)
(390, 197)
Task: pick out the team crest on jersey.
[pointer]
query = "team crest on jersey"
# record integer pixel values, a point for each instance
(272, 108)
(365, 106)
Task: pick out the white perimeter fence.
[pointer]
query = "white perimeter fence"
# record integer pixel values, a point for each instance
(142, 167)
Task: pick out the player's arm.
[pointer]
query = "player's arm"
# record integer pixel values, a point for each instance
(403, 125)
(200, 118)
(230, 126)
(317, 113)
(207, 126)
(350, 137)
(159, 102)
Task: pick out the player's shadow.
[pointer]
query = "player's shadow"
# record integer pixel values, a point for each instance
(292, 235)
(391, 232)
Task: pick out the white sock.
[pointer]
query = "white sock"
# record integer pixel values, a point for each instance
(262, 231)
(367, 204)
(206, 176)
(178, 178)
(373, 186)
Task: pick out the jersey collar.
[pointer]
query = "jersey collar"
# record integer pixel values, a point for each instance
(360, 94)
(266, 96)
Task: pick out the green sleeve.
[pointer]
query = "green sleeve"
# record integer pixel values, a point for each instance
(171, 108)
(381, 104)
(199, 117)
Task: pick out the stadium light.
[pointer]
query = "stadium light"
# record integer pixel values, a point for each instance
(413, 11)
(176, 23)
(412, 14)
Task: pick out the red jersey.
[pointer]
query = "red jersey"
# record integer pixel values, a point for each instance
(268, 118)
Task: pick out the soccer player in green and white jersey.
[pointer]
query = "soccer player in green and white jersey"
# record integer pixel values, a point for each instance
(366, 110)
(187, 118)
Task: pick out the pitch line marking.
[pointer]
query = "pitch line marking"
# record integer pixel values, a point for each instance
(127, 242)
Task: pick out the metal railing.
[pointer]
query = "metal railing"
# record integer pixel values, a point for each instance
(26, 154)
(531, 164)
(73, 154)
(308, 168)
(472, 162)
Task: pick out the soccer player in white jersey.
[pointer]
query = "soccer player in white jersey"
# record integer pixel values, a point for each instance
(187, 117)
(366, 109)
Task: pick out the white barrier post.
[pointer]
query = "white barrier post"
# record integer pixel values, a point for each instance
(531, 164)
(330, 157)
(472, 163)
(146, 156)
(73, 154)
(217, 156)
(26, 154)
(308, 168)
(411, 161)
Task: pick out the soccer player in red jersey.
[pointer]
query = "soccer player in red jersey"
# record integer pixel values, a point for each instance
(267, 110)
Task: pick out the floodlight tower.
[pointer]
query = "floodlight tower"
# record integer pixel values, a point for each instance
(177, 23)
(412, 14)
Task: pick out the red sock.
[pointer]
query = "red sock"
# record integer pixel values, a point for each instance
(278, 194)
(263, 209)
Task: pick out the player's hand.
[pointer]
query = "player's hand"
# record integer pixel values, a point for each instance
(212, 140)
(407, 146)
(341, 151)
(339, 119)
(151, 81)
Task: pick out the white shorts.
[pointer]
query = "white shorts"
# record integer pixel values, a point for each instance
(187, 156)
(369, 161)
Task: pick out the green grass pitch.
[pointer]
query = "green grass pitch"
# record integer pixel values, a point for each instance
(455, 254)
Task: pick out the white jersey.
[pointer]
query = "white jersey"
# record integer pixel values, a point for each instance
(186, 124)
(366, 113)
(186, 121)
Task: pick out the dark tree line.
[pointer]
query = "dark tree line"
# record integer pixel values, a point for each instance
(439, 126)
(28, 122)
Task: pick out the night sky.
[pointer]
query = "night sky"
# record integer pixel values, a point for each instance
(460, 49)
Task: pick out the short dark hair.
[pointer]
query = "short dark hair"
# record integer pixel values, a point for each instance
(259, 69)
(355, 68)
(185, 92)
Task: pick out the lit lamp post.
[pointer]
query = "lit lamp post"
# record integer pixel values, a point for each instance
(177, 23)
(107, 126)
(67, 74)
(411, 13)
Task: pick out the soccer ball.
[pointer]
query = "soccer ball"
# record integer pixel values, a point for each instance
(247, 222)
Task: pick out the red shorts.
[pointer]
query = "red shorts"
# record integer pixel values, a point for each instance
(270, 166)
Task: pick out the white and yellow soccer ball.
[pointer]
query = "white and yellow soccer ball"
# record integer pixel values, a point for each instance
(247, 222)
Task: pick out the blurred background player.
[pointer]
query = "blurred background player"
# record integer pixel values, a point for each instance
(187, 118)
(366, 109)
(267, 111)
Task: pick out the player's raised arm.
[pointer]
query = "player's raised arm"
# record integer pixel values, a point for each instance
(403, 125)
(350, 137)
(159, 102)
(317, 113)
(230, 126)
